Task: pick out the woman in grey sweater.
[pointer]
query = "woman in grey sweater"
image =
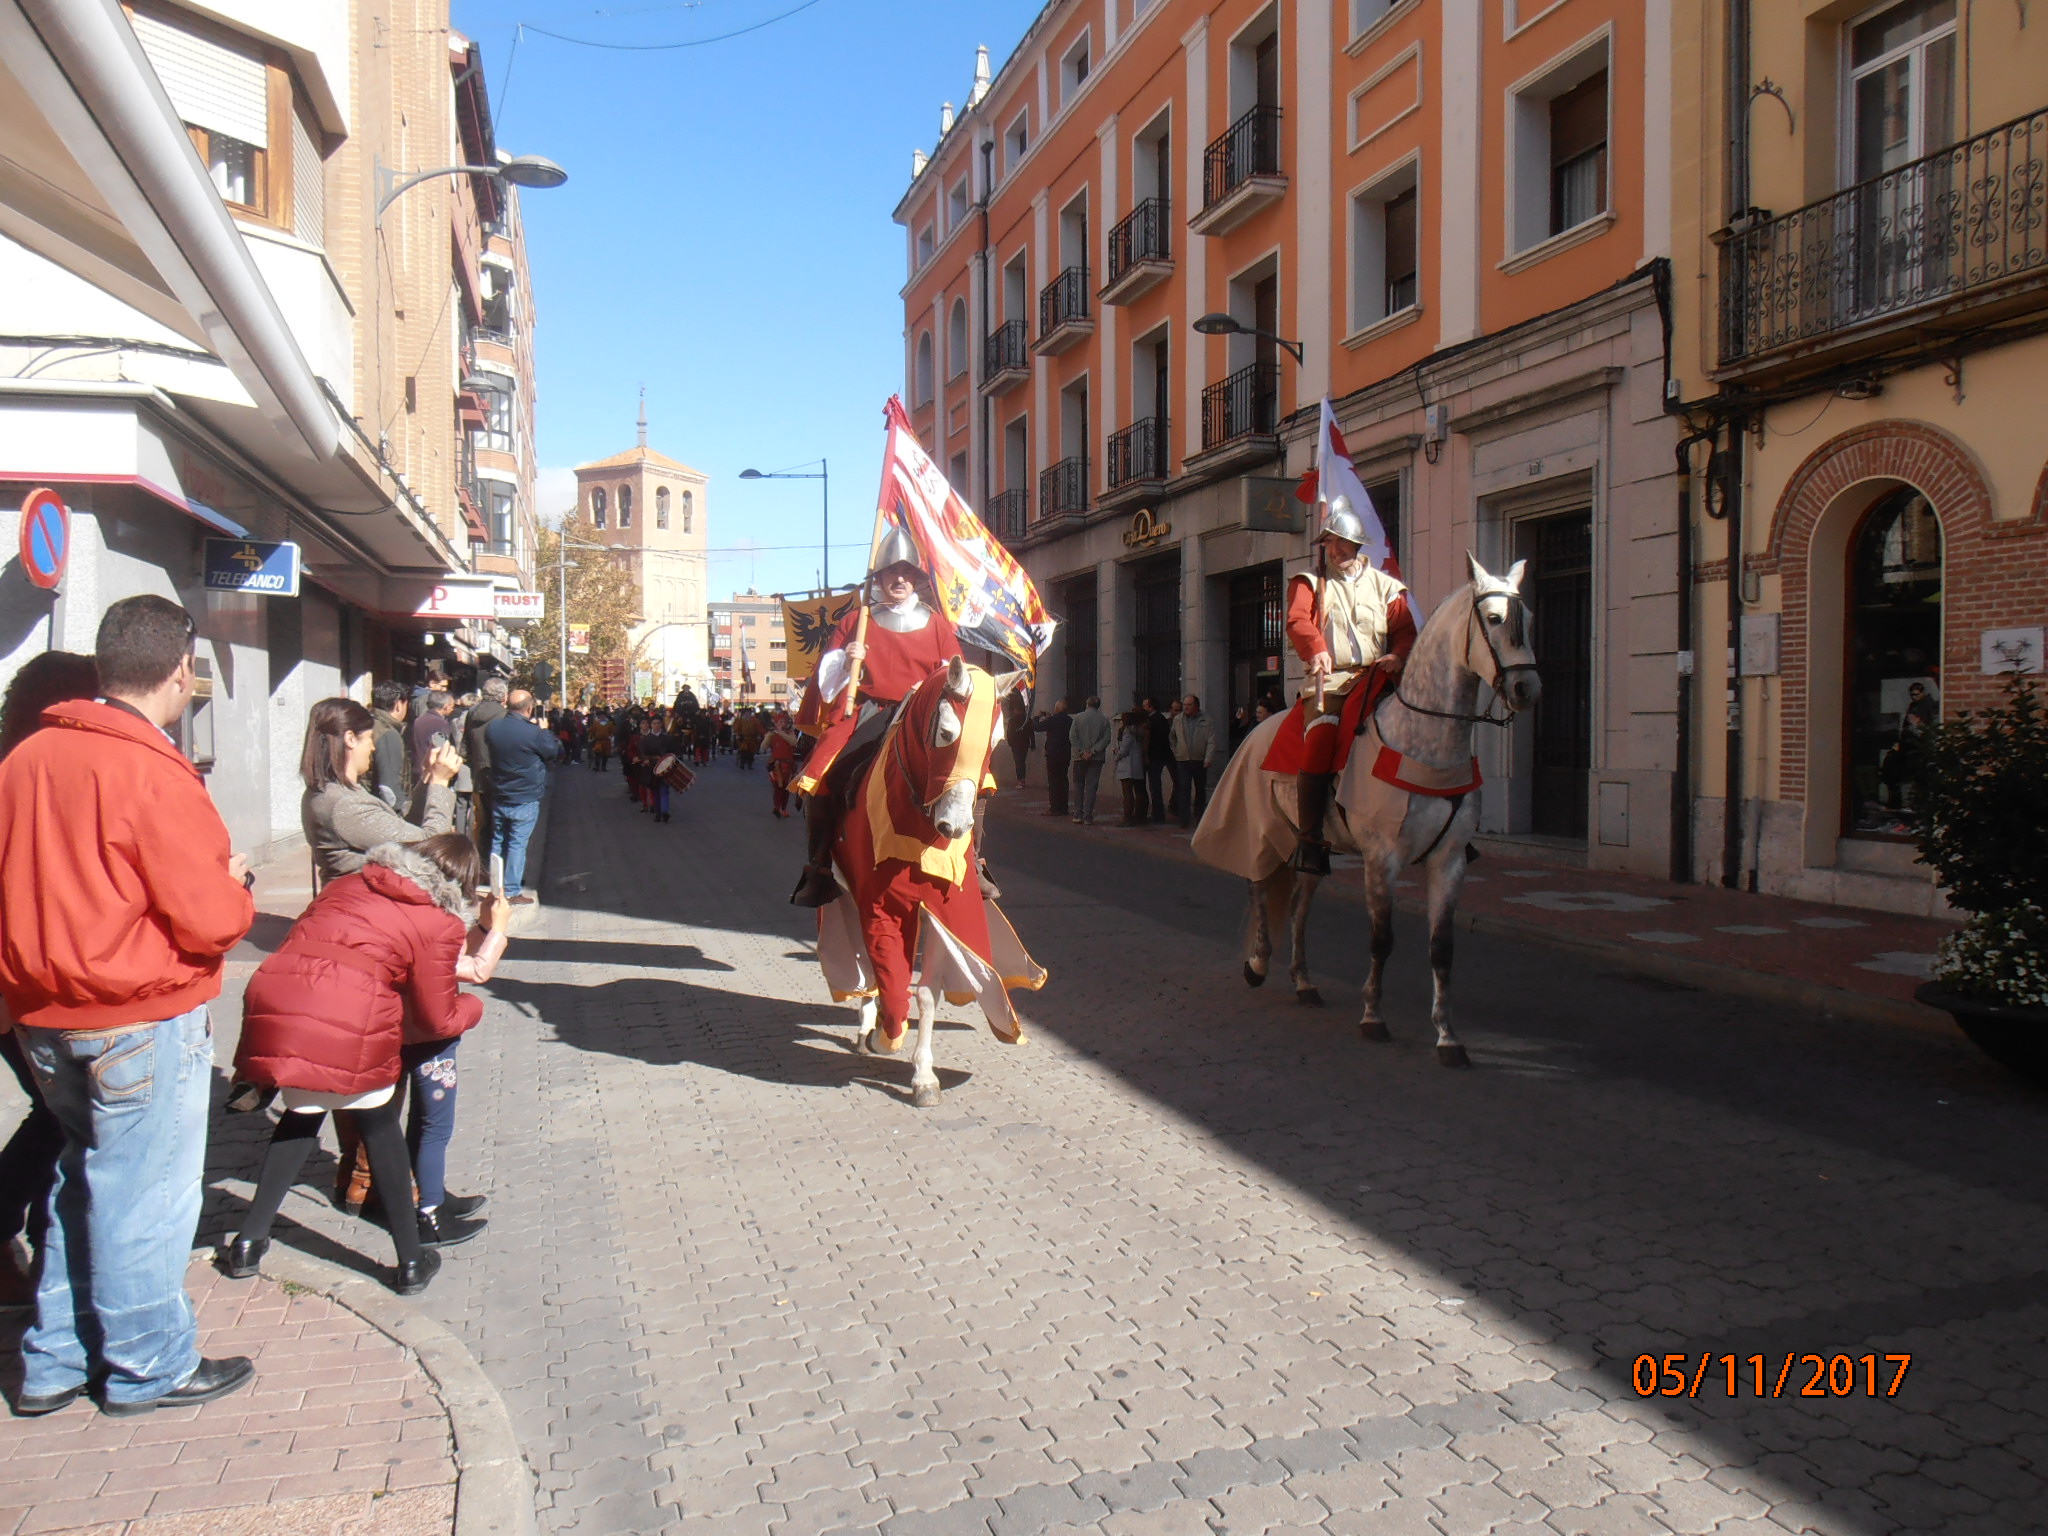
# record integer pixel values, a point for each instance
(343, 818)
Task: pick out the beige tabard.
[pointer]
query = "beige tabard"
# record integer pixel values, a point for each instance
(1355, 621)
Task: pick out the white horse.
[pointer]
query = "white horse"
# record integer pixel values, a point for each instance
(1478, 638)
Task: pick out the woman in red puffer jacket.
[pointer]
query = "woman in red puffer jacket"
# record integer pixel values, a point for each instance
(374, 961)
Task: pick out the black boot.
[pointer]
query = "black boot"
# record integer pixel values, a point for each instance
(1312, 795)
(241, 1259)
(821, 823)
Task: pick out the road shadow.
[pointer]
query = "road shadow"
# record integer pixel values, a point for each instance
(669, 957)
(667, 1023)
(1629, 1170)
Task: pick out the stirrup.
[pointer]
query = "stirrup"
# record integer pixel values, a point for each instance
(1312, 858)
(817, 888)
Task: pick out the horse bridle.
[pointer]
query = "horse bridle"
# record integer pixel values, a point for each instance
(903, 759)
(1517, 606)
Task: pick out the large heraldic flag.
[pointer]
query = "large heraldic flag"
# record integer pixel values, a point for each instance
(982, 589)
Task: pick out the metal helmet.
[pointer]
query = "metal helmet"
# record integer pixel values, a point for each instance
(1339, 520)
(896, 548)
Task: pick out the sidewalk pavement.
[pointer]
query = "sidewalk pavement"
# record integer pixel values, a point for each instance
(1851, 963)
(341, 1434)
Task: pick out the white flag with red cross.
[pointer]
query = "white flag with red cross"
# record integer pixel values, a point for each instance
(1332, 476)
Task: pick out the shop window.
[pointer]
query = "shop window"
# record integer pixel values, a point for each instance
(1894, 663)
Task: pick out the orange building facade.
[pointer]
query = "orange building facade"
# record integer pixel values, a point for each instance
(1459, 212)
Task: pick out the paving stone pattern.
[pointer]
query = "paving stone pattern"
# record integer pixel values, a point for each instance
(1194, 1259)
(341, 1432)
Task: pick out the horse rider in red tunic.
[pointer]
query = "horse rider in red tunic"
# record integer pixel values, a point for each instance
(1352, 628)
(906, 641)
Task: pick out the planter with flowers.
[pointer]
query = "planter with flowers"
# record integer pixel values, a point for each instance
(1984, 832)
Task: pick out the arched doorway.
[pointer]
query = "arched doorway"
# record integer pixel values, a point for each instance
(1892, 656)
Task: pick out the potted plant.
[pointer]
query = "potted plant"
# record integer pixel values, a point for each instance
(1984, 831)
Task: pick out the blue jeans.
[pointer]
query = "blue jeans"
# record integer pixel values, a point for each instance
(124, 1209)
(511, 830)
(431, 1125)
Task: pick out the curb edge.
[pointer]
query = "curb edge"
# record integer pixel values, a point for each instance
(494, 1491)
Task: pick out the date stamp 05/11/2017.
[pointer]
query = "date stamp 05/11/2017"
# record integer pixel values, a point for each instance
(1786, 1375)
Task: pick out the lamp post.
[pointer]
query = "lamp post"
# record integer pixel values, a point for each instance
(535, 171)
(824, 477)
(562, 589)
(1219, 324)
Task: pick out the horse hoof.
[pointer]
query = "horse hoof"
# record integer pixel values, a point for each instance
(1375, 1031)
(1452, 1056)
(1308, 997)
(1253, 978)
(924, 1095)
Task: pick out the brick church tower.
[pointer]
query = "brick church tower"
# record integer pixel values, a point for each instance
(653, 512)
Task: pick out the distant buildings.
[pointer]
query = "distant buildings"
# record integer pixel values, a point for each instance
(749, 651)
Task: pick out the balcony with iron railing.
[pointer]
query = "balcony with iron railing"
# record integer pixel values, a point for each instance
(1009, 514)
(1005, 357)
(1241, 172)
(1063, 489)
(1140, 251)
(1063, 318)
(1136, 465)
(1892, 263)
(1240, 416)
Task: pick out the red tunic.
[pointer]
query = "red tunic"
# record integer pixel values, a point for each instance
(896, 662)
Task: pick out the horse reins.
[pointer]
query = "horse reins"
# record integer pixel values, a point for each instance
(1517, 606)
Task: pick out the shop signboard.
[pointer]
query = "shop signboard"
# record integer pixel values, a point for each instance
(459, 598)
(1271, 506)
(520, 605)
(251, 565)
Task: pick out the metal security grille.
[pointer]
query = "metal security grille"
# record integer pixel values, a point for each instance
(1560, 592)
(1157, 633)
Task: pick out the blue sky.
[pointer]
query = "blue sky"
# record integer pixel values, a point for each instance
(725, 238)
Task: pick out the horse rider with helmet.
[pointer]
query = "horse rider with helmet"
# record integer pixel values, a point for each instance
(906, 641)
(1350, 623)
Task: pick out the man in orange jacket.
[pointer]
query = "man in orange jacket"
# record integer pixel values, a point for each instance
(119, 895)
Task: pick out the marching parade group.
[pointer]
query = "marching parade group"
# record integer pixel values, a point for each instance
(120, 897)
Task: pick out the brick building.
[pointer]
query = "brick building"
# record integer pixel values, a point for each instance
(749, 650)
(1859, 339)
(1458, 212)
(211, 330)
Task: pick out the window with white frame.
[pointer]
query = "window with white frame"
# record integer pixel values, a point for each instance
(497, 434)
(957, 204)
(1902, 86)
(924, 248)
(500, 500)
(1558, 164)
(1365, 12)
(1385, 247)
(956, 340)
(1074, 69)
(1016, 141)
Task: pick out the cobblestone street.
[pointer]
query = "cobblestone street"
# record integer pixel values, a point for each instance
(1195, 1259)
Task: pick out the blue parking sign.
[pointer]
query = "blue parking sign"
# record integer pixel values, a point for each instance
(249, 565)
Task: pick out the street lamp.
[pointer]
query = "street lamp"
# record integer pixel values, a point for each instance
(1219, 324)
(562, 589)
(824, 476)
(536, 171)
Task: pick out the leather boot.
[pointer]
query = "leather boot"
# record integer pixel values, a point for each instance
(821, 823)
(1312, 794)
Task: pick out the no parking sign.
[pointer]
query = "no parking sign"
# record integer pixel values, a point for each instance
(45, 537)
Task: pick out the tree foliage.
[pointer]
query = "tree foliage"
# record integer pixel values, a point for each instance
(1985, 803)
(601, 593)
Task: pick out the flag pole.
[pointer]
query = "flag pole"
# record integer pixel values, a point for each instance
(867, 586)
